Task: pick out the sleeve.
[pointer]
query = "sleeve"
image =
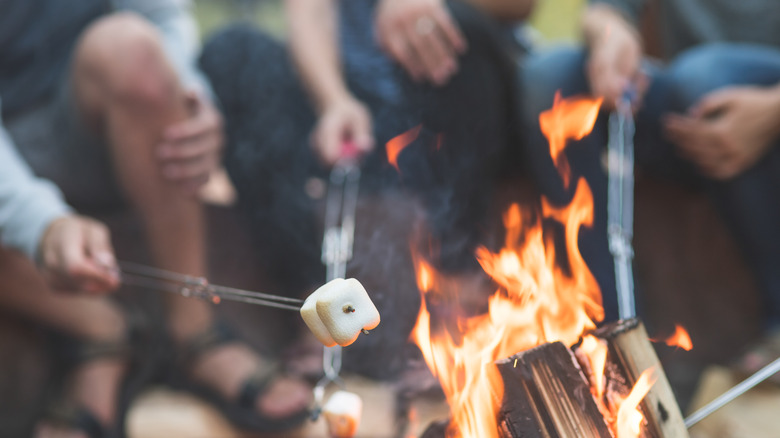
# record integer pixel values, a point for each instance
(180, 35)
(27, 204)
(631, 9)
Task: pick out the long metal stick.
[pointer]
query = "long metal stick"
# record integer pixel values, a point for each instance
(337, 245)
(198, 287)
(620, 202)
(728, 396)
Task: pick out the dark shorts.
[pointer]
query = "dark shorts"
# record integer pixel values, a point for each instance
(57, 144)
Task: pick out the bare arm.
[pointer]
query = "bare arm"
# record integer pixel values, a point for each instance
(314, 46)
(74, 252)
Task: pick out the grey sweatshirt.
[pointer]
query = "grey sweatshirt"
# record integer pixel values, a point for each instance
(29, 204)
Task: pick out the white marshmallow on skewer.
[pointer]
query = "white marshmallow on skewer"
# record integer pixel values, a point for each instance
(338, 311)
(342, 413)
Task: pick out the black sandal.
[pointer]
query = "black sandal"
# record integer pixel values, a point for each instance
(76, 417)
(141, 360)
(240, 412)
(67, 414)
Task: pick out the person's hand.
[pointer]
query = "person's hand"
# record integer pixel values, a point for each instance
(77, 255)
(728, 130)
(345, 120)
(191, 149)
(615, 56)
(421, 36)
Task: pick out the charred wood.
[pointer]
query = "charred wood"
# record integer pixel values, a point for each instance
(630, 353)
(546, 395)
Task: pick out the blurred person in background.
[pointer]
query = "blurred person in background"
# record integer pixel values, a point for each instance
(361, 72)
(102, 106)
(709, 115)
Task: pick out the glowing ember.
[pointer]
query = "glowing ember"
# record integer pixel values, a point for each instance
(629, 418)
(399, 143)
(680, 339)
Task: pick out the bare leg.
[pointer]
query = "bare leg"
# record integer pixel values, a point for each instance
(127, 89)
(129, 92)
(94, 384)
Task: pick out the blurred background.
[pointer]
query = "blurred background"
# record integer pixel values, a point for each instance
(687, 266)
(554, 20)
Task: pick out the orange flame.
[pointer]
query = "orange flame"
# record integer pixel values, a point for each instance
(596, 351)
(629, 417)
(568, 119)
(680, 338)
(538, 300)
(399, 143)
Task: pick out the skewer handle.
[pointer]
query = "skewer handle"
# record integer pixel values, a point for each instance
(728, 396)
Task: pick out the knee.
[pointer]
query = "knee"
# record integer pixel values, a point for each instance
(699, 71)
(124, 55)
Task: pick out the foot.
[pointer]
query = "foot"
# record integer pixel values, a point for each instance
(225, 368)
(304, 357)
(93, 385)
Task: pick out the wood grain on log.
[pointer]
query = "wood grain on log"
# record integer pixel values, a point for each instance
(546, 395)
(630, 353)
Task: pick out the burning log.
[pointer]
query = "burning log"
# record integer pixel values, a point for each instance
(629, 355)
(546, 395)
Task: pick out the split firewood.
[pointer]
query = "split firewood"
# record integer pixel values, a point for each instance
(339, 311)
(630, 353)
(546, 395)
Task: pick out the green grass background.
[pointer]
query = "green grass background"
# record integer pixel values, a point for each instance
(555, 20)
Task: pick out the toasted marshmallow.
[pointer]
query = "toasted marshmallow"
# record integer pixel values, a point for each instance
(342, 413)
(338, 311)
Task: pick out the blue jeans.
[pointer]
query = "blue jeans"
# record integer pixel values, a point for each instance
(750, 202)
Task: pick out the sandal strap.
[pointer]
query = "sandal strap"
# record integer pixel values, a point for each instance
(76, 417)
(218, 334)
(257, 383)
(89, 351)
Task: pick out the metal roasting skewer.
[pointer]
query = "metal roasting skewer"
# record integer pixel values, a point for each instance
(198, 287)
(337, 243)
(728, 396)
(620, 202)
(620, 232)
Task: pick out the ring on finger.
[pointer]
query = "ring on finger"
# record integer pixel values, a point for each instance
(424, 25)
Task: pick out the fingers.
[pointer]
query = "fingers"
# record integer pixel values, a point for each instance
(613, 65)
(361, 133)
(191, 149)
(450, 30)
(698, 142)
(398, 48)
(422, 37)
(100, 256)
(327, 141)
(712, 105)
(436, 56)
(344, 122)
(79, 256)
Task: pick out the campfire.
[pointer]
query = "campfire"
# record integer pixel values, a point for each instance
(535, 364)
